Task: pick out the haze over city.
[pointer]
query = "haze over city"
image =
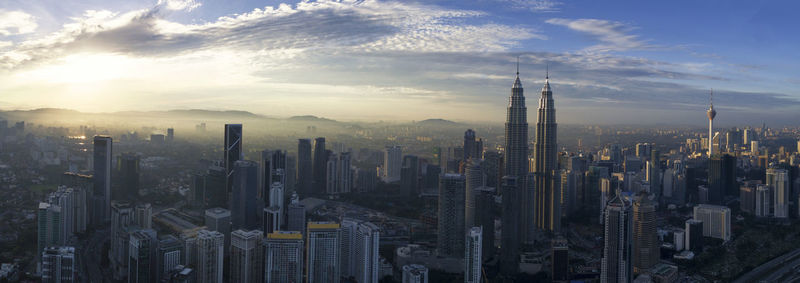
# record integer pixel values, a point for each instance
(613, 62)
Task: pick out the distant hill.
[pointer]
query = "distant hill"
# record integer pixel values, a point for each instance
(311, 118)
(437, 123)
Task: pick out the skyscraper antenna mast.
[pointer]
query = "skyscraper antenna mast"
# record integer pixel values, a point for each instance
(547, 71)
(517, 65)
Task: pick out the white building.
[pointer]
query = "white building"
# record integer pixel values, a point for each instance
(283, 261)
(415, 273)
(716, 220)
(472, 255)
(210, 253)
(392, 163)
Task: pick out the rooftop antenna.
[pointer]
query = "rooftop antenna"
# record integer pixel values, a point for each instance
(517, 65)
(547, 71)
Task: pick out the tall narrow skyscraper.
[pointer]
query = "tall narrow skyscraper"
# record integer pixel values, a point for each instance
(102, 176)
(470, 148)
(304, 167)
(283, 258)
(547, 215)
(516, 143)
(450, 233)
(646, 247)
(233, 151)
(247, 256)
(322, 252)
(473, 258)
(320, 169)
(616, 263)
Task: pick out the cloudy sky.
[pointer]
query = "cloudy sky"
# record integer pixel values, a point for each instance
(609, 61)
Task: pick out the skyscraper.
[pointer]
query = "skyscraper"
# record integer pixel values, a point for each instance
(143, 216)
(484, 218)
(247, 256)
(322, 252)
(128, 170)
(646, 247)
(121, 218)
(49, 226)
(778, 179)
(392, 163)
(102, 174)
(694, 235)
(516, 132)
(219, 219)
(473, 258)
(721, 178)
(273, 168)
(297, 215)
(716, 220)
(304, 168)
(233, 152)
(210, 254)
(548, 209)
(359, 257)
(169, 255)
(410, 175)
(283, 261)
(245, 206)
(58, 265)
(616, 263)
(510, 241)
(320, 166)
(142, 261)
(711, 114)
(470, 146)
(559, 260)
(450, 233)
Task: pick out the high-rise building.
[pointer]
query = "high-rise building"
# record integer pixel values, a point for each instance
(722, 178)
(410, 175)
(210, 255)
(170, 134)
(763, 201)
(473, 257)
(320, 166)
(359, 257)
(778, 179)
(646, 248)
(516, 133)
(616, 263)
(271, 219)
(273, 169)
(283, 261)
(694, 235)
(716, 220)
(559, 260)
(233, 152)
(142, 261)
(58, 265)
(121, 219)
(102, 175)
(339, 177)
(470, 146)
(484, 218)
(547, 213)
(304, 168)
(246, 256)
(144, 216)
(219, 219)
(128, 171)
(322, 252)
(510, 241)
(711, 114)
(747, 198)
(474, 179)
(49, 226)
(452, 190)
(169, 255)
(297, 215)
(245, 206)
(392, 163)
(415, 273)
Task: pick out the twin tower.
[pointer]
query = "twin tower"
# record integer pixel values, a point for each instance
(537, 187)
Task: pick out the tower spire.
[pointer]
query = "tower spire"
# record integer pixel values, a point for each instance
(547, 71)
(711, 99)
(517, 65)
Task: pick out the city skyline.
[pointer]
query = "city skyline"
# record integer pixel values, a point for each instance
(401, 60)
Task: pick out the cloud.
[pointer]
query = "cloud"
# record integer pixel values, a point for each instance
(179, 5)
(16, 22)
(536, 6)
(614, 36)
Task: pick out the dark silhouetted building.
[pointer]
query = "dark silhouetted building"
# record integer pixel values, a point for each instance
(128, 171)
(233, 152)
(320, 166)
(304, 168)
(102, 175)
(452, 189)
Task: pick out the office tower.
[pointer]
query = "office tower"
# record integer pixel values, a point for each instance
(359, 250)
(214, 187)
(304, 175)
(559, 260)
(366, 180)
(763, 201)
(653, 176)
(331, 178)
(474, 179)
(516, 133)
(322, 252)
(721, 178)
(169, 255)
(219, 219)
(210, 253)
(121, 219)
(616, 263)
(778, 179)
(170, 134)
(473, 258)
(297, 215)
(547, 213)
(58, 265)
(233, 152)
(142, 262)
(49, 226)
(415, 273)
(492, 163)
(471, 149)
(276, 193)
(128, 170)
(320, 166)
(716, 220)
(271, 219)
(247, 256)
(392, 163)
(245, 206)
(754, 150)
(484, 218)
(273, 169)
(510, 241)
(694, 235)
(410, 175)
(283, 261)
(102, 174)
(646, 248)
(711, 114)
(339, 178)
(143, 216)
(451, 229)
(747, 198)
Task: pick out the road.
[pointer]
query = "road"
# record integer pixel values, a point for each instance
(780, 269)
(91, 256)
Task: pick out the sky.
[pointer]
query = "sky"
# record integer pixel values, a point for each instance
(610, 62)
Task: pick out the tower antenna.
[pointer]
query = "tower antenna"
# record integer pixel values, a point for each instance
(547, 71)
(712, 98)
(518, 65)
